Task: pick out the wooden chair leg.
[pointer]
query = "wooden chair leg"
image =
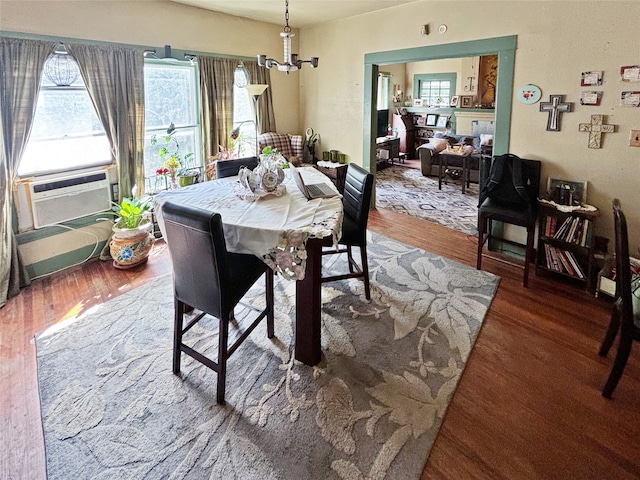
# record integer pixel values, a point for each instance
(528, 254)
(365, 270)
(612, 331)
(270, 315)
(481, 229)
(624, 348)
(177, 334)
(350, 258)
(223, 338)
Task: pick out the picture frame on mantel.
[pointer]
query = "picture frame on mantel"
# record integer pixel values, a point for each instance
(466, 101)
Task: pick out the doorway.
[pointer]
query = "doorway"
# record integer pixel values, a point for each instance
(504, 47)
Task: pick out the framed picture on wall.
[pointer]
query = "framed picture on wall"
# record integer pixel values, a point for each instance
(466, 101)
(432, 120)
(454, 101)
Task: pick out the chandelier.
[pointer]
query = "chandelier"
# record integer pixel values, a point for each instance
(291, 62)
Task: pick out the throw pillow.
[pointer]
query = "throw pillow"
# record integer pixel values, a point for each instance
(439, 144)
(486, 139)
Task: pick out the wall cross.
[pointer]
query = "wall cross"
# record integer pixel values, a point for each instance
(555, 106)
(596, 128)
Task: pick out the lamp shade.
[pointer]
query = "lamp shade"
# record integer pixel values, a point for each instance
(256, 89)
(61, 69)
(241, 76)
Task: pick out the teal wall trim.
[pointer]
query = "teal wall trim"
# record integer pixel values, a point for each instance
(505, 47)
(69, 259)
(53, 230)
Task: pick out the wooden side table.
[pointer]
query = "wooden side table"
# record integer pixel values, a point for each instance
(337, 172)
(456, 162)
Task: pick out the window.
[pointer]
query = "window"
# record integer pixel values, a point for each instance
(243, 119)
(384, 86)
(66, 133)
(171, 96)
(436, 89)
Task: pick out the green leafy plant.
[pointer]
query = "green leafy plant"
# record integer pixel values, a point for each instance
(131, 211)
(275, 156)
(169, 152)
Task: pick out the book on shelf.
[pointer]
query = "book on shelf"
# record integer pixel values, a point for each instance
(566, 264)
(574, 263)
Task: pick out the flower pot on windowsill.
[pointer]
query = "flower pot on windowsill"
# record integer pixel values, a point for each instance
(186, 180)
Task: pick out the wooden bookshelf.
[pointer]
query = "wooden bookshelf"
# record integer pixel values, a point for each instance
(566, 243)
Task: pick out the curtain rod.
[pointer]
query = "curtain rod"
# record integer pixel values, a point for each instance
(180, 54)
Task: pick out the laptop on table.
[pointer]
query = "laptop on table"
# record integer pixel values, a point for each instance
(314, 190)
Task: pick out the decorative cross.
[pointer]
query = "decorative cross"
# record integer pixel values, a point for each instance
(555, 106)
(596, 128)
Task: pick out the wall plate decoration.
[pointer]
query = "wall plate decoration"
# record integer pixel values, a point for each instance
(591, 79)
(630, 99)
(529, 94)
(630, 73)
(590, 97)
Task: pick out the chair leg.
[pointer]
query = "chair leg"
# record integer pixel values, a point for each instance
(177, 334)
(223, 338)
(528, 254)
(365, 270)
(481, 229)
(350, 258)
(612, 331)
(624, 348)
(270, 315)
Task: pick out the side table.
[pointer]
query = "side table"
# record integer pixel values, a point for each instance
(337, 172)
(456, 161)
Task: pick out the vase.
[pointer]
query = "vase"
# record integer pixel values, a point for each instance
(130, 247)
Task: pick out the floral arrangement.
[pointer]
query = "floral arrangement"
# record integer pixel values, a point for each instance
(272, 154)
(170, 154)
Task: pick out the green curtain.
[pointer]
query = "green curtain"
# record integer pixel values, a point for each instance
(216, 88)
(114, 77)
(21, 63)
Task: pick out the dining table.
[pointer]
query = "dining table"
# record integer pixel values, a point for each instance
(282, 228)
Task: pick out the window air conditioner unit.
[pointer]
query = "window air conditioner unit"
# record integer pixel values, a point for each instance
(62, 199)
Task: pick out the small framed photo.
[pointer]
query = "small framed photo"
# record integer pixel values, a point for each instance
(590, 98)
(454, 101)
(466, 101)
(591, 79)
(442, 121)
(432, 120)
(420, 120)
(418, 102)
(630, 73)
(578, 189)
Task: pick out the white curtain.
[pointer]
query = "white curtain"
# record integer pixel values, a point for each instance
(21, 63)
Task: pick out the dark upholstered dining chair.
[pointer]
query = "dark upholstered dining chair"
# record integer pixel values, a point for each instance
(504, 204)
(229, 168)
(356, 201)
(208, 278)
(622, 316)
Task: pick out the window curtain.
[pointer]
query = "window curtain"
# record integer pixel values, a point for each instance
(114, 77)
(21, 63)
(265, 103)
(216, 90)
(216, 87)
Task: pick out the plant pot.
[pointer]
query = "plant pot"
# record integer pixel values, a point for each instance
(186, 181)
(130, 247)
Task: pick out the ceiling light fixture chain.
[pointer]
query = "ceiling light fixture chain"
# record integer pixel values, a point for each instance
(291, 62)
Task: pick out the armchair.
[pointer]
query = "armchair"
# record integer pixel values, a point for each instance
(291, 146)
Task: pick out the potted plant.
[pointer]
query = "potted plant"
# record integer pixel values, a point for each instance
(169, 152)
(187, 176)
(132, 237)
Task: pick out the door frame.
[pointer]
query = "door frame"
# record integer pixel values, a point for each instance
(504, 47)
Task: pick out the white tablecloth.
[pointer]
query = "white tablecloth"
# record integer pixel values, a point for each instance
(274, 229)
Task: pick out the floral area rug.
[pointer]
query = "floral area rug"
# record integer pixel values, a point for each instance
(111, 407)
(407, 191)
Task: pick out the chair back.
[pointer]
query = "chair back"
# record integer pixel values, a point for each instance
(356, 198)
(499, 176)
(229, 168)
(195, 238)
(623, 265)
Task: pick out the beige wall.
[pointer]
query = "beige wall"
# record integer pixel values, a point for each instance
(556, 41)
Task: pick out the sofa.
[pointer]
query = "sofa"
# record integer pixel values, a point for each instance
(291, 146)
(428, 152)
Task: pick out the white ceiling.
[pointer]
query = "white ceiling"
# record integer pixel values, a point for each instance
(302, 13)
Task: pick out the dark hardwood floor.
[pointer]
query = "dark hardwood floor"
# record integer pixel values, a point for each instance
(528, 405)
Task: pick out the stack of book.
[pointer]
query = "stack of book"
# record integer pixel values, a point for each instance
(562, 261)
(575, 230)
